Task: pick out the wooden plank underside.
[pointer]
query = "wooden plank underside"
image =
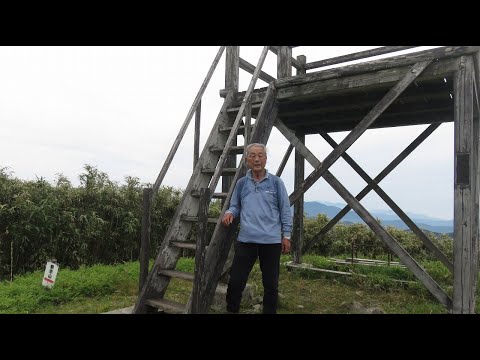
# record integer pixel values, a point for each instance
(364, 82)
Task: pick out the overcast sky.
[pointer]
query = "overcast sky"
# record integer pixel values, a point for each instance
(120, 109)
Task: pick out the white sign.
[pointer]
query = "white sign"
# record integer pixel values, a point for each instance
(50, 274)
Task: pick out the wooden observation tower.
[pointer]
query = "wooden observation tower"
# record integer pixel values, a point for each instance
(423, 87)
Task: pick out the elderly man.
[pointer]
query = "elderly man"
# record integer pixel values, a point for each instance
(261, 201)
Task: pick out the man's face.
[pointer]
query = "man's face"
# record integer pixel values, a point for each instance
(256, 158)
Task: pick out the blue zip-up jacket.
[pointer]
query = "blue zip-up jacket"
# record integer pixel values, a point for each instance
(264, 209)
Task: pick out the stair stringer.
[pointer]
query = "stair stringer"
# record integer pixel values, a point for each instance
(155, 286)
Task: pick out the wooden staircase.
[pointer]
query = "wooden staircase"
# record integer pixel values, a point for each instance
(210, 166)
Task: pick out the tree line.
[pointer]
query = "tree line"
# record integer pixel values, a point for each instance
(99, 222)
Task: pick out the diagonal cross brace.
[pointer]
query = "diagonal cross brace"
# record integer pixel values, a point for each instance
(359, 129)
(382, 175)
(404, 256)
(401, 214)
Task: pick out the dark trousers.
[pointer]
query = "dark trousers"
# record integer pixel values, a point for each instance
(245, 256)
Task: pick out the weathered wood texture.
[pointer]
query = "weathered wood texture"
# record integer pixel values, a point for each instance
(200, 249)
(232, 64)
(232, 80)
(356, 56)
(295, 63)
(178, 229)
(360, 129)
(284, 62)
(393, 62)
(248, 124)
(236, 124)
(401, 214)
(299, 176)
(222, 238)
(185, 124)
(196, 139)
(388, 169)
(339, 104)
(297, 234)
(393, 245)
(145, 237)
(465, 204)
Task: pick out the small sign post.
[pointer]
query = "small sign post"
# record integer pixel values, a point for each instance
(50, 274)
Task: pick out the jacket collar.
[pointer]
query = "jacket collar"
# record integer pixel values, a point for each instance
(250, 175)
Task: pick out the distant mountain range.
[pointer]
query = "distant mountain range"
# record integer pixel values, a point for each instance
(387, 217)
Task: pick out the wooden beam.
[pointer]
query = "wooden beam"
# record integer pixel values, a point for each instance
(383, 122)
(196, 139)
(232, 64)
(232, 80)
(298, 207)
(327, 83)
(382, 175)
(284, 62)
(297, 234)
(185, 124)
(392, 244)
(359, 129)
(200, 251)
(284, 160)
(393, 62)
(295, 63)
(356, 56)
(401, 214)
(145, 237)
(465, 207)
(245, 65)
(236, 124)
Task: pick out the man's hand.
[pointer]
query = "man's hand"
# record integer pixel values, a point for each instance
(227, 219)
(286, 245)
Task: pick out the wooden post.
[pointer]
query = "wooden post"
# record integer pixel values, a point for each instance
(145, 237)
(284, 62)
(232, 70)
(298, 206)
(200, 250)
(465, 204)
(196, 141)
(297, 235)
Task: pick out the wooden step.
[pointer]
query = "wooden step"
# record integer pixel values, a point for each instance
(231, 149)
(235, 109)
(230, 171)
(196, 194)
(169, 306)
(184, 245)
(176, 274)
(228, 129)
(195, 219)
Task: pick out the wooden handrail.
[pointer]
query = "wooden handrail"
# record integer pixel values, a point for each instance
(183, 129)
(355, 56)
(238, 120)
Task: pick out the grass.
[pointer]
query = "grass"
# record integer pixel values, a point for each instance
(103, 288)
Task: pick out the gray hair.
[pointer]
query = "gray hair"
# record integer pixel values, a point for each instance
(249, 146)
